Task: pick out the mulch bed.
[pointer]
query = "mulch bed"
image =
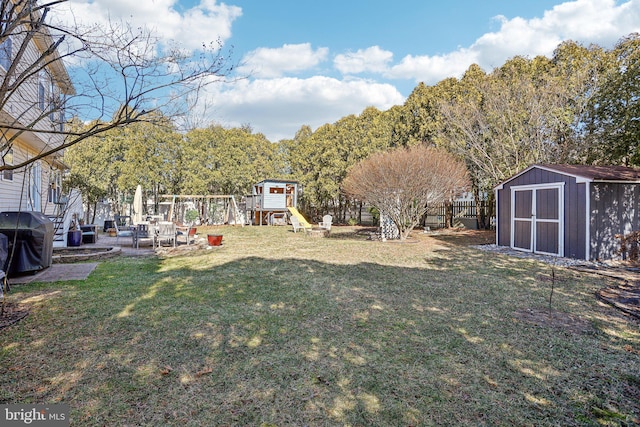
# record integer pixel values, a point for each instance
(624, 291)
(12, 313)
(625, 297)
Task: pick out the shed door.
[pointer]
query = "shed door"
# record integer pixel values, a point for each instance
(537, 213)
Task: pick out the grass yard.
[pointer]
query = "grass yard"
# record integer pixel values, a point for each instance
(278, 329)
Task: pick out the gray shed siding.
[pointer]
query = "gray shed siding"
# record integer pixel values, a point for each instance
(574, 209)
(615, 209)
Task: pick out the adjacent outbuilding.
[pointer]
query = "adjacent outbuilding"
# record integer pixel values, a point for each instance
(570, 211)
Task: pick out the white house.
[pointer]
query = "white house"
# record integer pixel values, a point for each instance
(31, 112)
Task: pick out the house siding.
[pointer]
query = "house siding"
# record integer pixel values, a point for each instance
(11, 195)
(22, 109)
(14, 194)
(615, 209)
(24, 103)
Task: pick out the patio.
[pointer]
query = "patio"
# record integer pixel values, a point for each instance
(126, 247)
(77, 262)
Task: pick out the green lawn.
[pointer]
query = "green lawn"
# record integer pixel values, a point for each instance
(278, 329)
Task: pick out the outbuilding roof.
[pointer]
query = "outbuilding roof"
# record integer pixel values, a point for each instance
(279, 181)
(588, 173)
(598, 173)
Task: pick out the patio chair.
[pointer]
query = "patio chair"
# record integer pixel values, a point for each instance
(295, 222)
(122, 220)
(189, 233)
(143, 232)
(326, 222)
(166, 231)
(122, 231)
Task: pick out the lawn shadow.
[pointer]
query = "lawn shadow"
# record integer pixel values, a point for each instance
(257, 340)
(464, 237)
(353, 233)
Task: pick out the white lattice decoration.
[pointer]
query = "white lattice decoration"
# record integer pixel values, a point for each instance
(388, 229)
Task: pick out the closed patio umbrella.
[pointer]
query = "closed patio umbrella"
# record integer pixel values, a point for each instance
(137, 206)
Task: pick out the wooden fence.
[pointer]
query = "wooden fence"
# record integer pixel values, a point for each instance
(458, 214)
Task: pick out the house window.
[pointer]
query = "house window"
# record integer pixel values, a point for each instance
(5, 53)
(35, 180)
(53, 106)
(6, 47)
(41, 96)
(7, 175)
(55, 186)
(61, 117)
(276, 190)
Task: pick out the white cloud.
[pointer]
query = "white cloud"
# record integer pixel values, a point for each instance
(204, 23)
(372, 59)
(589, 21)
(432, 69)
(275, 62)
(279, 107)
(602, 21)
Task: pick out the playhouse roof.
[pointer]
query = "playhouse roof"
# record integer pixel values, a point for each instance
(587, 173)
(281, 181)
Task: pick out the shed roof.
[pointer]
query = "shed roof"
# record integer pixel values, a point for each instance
(588, 173)
(599, 173)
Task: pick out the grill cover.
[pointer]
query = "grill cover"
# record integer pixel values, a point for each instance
(4, 251)
(32, 233)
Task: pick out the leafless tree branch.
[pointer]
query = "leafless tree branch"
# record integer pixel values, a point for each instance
(111, 76)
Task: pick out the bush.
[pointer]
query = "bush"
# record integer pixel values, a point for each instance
(401, 183)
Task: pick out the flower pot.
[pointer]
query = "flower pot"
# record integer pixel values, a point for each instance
(214, 239)
(74, 237)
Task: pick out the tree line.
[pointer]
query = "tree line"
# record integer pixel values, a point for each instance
(579, 106)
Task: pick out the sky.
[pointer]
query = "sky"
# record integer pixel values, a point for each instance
(309, 62)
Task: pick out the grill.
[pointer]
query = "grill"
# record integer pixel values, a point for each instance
(30, 239)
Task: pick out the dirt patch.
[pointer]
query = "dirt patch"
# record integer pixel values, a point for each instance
(12, 313)
(463, 236)
(554, 319)
(15, 311)
(624, 291)
(625, 297)
(168, 251)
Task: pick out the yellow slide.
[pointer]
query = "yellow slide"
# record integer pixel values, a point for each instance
(303, 222)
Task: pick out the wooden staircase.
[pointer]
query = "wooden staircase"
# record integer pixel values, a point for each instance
(58, 228)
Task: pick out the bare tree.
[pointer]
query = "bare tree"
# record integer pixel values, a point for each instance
(518, 115)
(110, 76)
(404, 183)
